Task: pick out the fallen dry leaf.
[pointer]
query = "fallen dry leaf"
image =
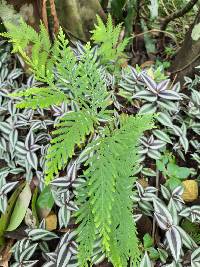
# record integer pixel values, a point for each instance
(51, 221)
(190, 190)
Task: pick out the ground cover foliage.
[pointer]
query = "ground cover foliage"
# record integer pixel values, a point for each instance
(77, 141)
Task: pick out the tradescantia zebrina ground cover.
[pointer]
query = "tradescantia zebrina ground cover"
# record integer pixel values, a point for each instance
(72, 143)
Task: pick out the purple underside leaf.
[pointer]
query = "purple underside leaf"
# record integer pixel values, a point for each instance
(144, 141)
(134, 73)
(178, 190)
(176, 87)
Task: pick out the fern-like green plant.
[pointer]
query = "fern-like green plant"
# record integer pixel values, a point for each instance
(35, 48)
(40, 97)
(72, 129)
(82, 83)
(105, 205)
(108, 38)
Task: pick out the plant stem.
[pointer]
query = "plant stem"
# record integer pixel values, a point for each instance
(177, 14)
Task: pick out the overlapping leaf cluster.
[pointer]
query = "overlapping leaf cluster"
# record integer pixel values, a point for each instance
(78, 81)
(178, 113)
(77, 95)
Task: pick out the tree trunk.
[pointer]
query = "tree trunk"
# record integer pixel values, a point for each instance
(78, 16)
(188, 57)
(28, 9)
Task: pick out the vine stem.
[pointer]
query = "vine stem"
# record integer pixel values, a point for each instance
(55, 17)
(44, 14)
(157, 30)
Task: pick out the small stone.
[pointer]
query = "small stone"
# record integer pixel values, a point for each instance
(190, 190)
(51, 222)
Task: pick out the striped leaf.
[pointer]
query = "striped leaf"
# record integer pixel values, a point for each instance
(195, 258)
(41, 234)
(175, 242)
(164, 119)
(146, 95)
(150, 83)
(162, 136)
(148, 108)
(161, 209)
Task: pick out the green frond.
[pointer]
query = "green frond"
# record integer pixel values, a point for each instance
(40, 97)
(71, 130)
(122, 248)
(35, 48)
(107, 37)
(20, 35)
(86, 230)
(101, 190)
(86, 236)
(109, 186)
(67, 67)
(95, 92)
(82, 78)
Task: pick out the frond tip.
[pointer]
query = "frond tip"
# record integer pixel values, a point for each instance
(107, 37)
